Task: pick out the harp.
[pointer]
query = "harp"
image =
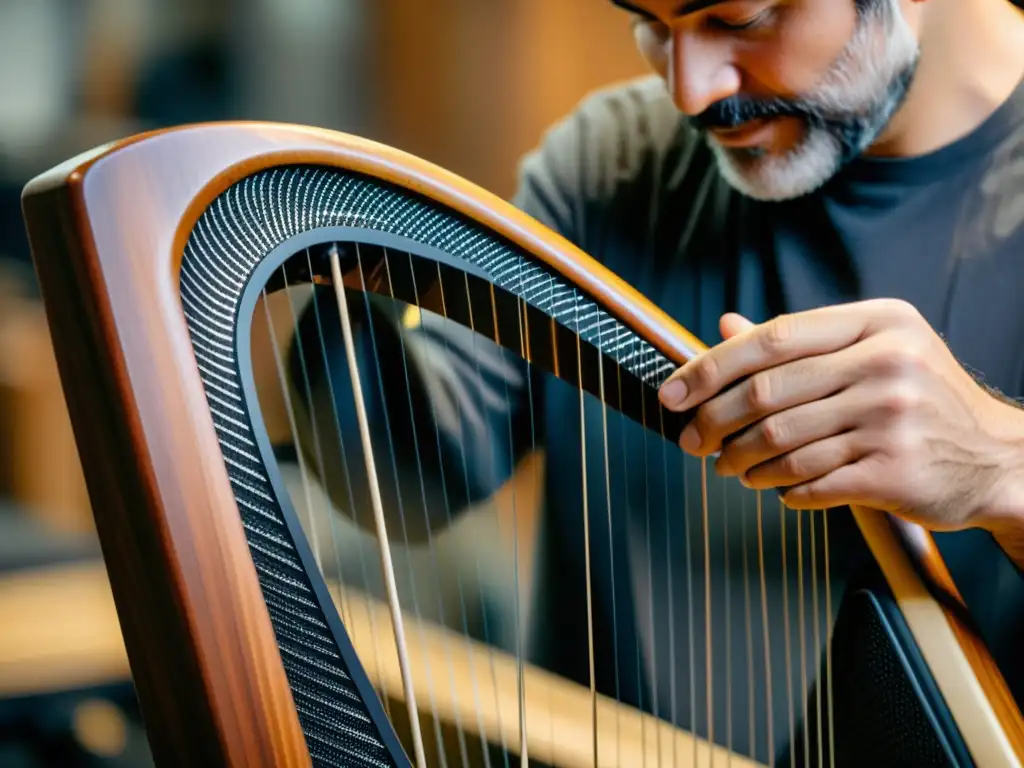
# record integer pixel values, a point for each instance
(238, 311)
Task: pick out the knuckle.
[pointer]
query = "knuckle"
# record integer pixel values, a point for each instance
(774, 433)
(899, 310)
(900, 400)
(793, 467)
(899, 360)
(703, 374)
(907, 311)
(778, 332)
(759, 392)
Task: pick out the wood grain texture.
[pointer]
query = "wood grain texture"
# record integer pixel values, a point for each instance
(107, 232)
(203, 654)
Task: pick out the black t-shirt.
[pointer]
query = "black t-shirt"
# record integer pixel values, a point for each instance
(626, 179)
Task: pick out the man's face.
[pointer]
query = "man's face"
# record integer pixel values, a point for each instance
(786, 91)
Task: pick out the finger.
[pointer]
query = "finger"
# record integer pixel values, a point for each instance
(785, 432)
(732, 324)
(850, 484)
(807, 463)
(769, 392)
(779, 341)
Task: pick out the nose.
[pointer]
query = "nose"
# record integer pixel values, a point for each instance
(700, 72)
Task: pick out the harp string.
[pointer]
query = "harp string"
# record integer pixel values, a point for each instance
(611, 538)
(344, 608)
(479, 374)
(828, 645)
(517, 629)
(708, 684)
(400, 504)
(748, 626)
(378, 514)
(317, 446)
(769, 700)
(626, 503)
(286, 394)
(663, 689)
(801, 624)
(315, 422)
(787, 645)
(650, 577)
(817, 631)
(586, 536)
(533, 444)
(486, 755)
(460, 735)
(670, 584)
(728, 625)
(691, 651)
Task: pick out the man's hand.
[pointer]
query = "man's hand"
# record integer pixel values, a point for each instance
(855, 404)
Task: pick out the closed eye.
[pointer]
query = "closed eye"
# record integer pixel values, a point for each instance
(754, 22)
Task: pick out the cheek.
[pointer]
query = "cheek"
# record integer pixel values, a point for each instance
(806, 46)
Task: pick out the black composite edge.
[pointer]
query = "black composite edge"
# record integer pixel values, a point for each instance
(239, 239)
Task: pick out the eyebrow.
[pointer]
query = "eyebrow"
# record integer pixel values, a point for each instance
(685, 8)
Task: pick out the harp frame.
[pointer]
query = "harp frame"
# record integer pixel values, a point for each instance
(108, 231)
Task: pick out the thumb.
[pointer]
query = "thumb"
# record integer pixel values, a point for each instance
(733, 324)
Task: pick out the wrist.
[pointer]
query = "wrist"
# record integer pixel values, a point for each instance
(1004, 503)
(1003, 514)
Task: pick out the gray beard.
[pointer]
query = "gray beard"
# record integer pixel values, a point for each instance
(844, 115)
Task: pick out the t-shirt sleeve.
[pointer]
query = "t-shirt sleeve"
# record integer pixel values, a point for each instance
(594, 173)
(562, 182)
(550, 179)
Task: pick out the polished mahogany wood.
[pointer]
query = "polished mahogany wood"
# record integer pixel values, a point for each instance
(108, 231)
(104, 235)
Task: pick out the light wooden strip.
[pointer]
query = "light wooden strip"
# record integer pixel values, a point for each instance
(60, 631)
(444, 660)
(969, 701)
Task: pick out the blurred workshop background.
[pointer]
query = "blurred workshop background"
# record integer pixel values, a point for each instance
(467, 84)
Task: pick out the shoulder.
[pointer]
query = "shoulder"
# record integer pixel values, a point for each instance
(623, 123)
(620, 143)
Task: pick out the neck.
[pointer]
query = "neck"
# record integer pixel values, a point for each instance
(972, 59)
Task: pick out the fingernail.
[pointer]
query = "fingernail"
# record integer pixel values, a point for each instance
(690, 441)
(673, 393)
